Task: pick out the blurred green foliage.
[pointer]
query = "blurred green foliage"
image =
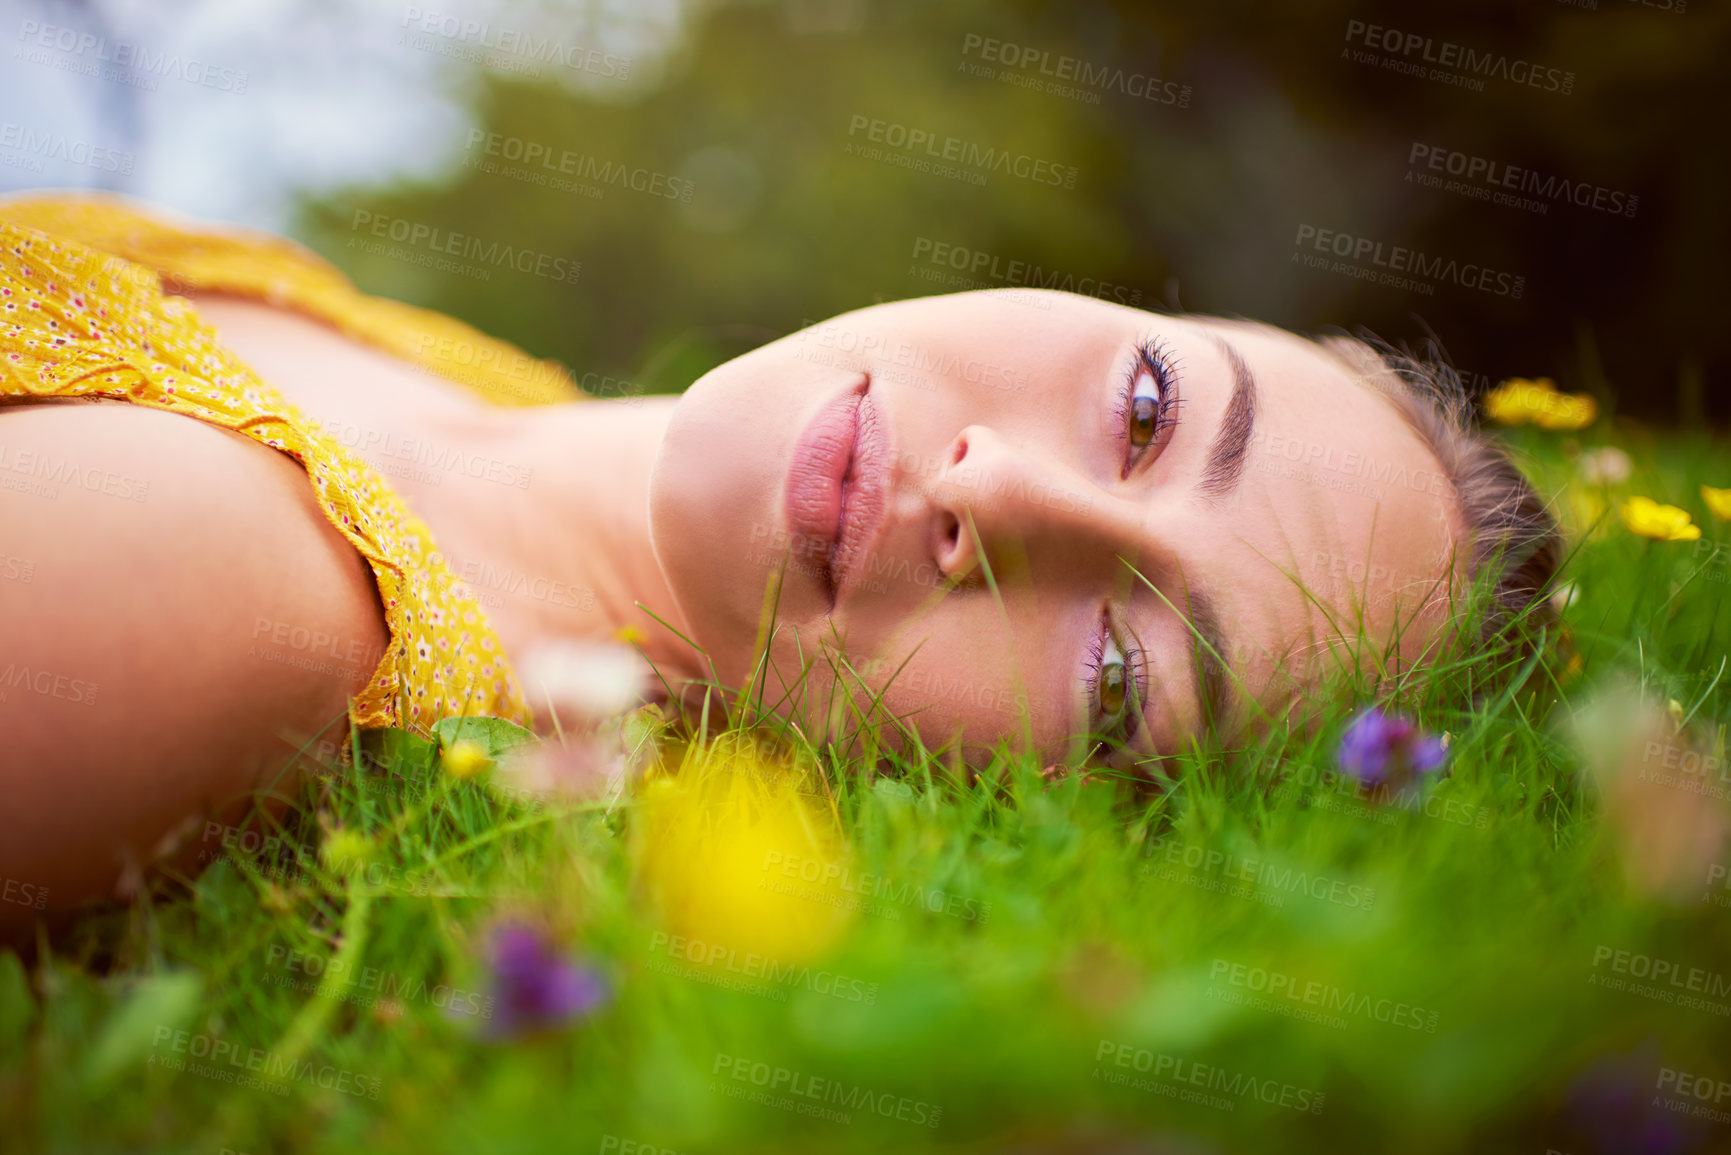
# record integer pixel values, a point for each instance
(1194, 207)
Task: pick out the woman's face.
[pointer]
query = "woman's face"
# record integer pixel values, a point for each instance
(1039, 516)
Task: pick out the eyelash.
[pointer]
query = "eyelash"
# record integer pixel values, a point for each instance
(1132, 655)
(1151, 359)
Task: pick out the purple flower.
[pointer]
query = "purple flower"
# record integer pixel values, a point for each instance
(534, 987)
(1612, 1106)
(1380, 748)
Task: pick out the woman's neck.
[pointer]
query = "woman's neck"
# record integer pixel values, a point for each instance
(550, 528)
(543, 511)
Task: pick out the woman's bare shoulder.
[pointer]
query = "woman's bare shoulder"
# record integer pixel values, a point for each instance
(178, 617)
(178, 500)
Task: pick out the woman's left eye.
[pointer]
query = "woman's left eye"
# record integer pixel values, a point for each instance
(1149, 408)
(1114, 683)
(1113, 687)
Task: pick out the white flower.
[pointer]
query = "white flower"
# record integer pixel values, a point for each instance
(1606, 465)
(1665, 819)
(582, 768)
(590, 680)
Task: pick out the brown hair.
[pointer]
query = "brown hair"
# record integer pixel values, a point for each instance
(1515, 543)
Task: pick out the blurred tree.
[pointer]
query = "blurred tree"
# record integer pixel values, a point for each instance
(1190, 203)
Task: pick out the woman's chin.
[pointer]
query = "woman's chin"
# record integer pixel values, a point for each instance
(711, 517)
(716, 495)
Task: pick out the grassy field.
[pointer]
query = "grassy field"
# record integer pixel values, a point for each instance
(1263, 956)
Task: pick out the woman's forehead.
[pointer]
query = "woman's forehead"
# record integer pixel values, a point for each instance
(1075, 316)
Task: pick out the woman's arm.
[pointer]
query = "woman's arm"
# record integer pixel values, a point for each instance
(182, 620)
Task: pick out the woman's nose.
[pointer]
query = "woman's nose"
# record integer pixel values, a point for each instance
(1016, 501)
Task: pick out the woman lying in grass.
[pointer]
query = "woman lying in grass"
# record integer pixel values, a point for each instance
(1094, 530)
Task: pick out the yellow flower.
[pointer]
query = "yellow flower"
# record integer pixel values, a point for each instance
(1648, 518)
(743, 856)
(465, 759)
(1718, 501)
(628, 634)
(1568, 411)
(346, 850)
(1516, 400)
(1519, 400)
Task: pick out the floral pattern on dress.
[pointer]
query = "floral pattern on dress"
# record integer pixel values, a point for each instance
(78, 322)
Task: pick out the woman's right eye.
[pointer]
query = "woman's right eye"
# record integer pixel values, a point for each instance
(1144, 411)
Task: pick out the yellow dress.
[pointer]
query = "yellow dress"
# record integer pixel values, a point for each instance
(83, 314)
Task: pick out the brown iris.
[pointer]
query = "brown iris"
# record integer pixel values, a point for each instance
(1113, 687)
(1144, 420)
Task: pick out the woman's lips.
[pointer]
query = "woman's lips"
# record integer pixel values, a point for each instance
(837, 490)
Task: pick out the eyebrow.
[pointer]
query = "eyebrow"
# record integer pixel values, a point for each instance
(1224, 464)
(1221, 469)
(1209, 676)
(1207, 666)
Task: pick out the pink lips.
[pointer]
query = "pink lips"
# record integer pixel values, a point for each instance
(837, 489)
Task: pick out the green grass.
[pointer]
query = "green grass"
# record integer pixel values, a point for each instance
(1080, 925)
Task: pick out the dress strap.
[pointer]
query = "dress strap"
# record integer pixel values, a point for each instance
(247, 263)
(79, 322)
